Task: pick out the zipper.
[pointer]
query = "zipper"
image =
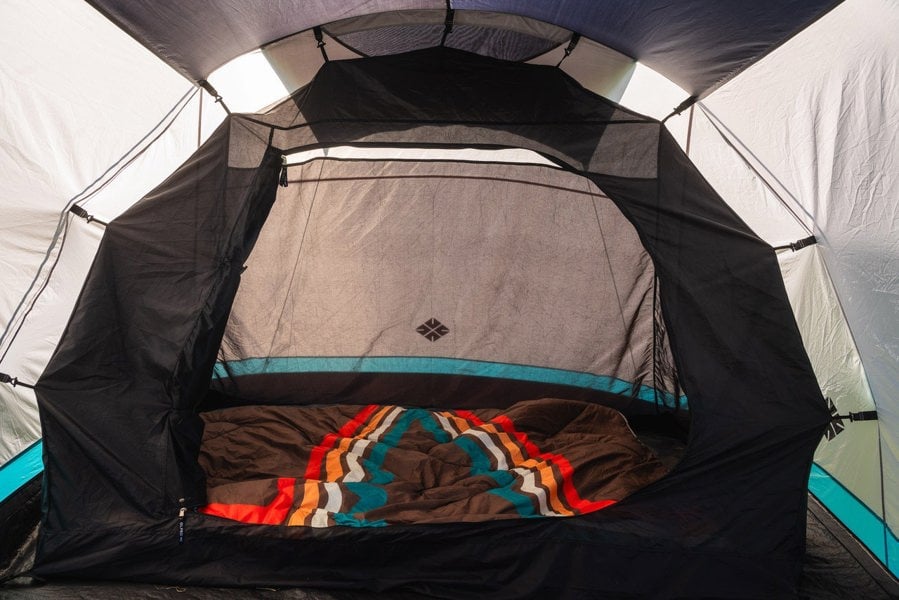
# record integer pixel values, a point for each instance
(182, 517)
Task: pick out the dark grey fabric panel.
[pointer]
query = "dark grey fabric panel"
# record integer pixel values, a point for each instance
(514, 105)
(694, 43)
(135, 358)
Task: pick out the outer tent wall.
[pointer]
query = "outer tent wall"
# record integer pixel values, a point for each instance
(816, 121)
(80, 123)
(74, 114)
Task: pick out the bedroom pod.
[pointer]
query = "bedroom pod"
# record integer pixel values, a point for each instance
(329, 252)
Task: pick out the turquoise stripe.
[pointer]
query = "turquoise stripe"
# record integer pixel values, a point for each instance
(370, 497)
(21, 469)
(864, 523)
(480, 465)
(431, 365)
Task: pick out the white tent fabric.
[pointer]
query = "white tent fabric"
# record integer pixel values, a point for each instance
(79, 95)
(805, 141)
(818, 119)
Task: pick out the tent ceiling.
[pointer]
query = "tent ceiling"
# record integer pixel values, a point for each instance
(695, 43)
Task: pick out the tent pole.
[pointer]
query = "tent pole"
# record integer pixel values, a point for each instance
(689, 130)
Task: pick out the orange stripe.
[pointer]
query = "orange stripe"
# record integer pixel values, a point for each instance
(375, 421)
(334, 468)
(550, 483)
(507, 442)
(308, 505)
(333, 465)
(567, 471)
(314, 467)
(546, 477)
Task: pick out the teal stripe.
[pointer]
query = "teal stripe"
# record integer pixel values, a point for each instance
(370, 497)
(431, 365)
(375, 461)
(480, 465)
(21, 469)
(864, 523)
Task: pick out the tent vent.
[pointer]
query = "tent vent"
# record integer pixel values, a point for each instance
(80, 212)
(798, 245)
(320, 41)
(13, 381)
(432, 329)
(837, 424)
(575, 38)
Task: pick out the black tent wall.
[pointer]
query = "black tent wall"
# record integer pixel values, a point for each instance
(118, 398)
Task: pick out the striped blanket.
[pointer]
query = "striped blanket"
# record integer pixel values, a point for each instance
(371, 466)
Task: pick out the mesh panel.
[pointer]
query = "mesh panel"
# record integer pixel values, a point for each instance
(486, 41)
(393, 40)
(447, 268)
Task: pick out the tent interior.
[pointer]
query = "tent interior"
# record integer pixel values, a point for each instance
(380, 292)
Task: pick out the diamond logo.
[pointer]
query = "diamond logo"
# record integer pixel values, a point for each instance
(432, 329)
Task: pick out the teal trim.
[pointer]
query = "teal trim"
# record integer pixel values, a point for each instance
(431, 365)
(864, 523)
(892, 553)
(21, 469)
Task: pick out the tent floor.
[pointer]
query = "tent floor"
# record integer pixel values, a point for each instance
(836, 567)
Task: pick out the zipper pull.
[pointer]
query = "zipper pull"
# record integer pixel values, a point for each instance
(182, 514)
(283, 180)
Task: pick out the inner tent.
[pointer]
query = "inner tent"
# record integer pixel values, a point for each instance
(450, 248)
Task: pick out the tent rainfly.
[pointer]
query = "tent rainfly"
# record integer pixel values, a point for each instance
(422, 300)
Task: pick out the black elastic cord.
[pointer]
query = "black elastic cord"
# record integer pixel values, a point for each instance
(572, 44)
(282, 180)
(320, 41)
(14, 381)
(732, 140)
(682, 107)
(11, 331)
(80, 212)
(214, 93)
(447, 23)
(799, 244)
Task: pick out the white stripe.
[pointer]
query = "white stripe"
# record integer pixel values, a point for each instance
(446, 425)
(353, 459)
(319, 518)
(498, 454)
(388, 421)
(529, 485)
(335, 497)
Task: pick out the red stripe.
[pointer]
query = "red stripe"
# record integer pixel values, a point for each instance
(470, 417)
(273, 513)
(276, 511)
(314, 467)
(567, 471)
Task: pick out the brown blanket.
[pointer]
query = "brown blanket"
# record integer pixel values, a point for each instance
(373, 465)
